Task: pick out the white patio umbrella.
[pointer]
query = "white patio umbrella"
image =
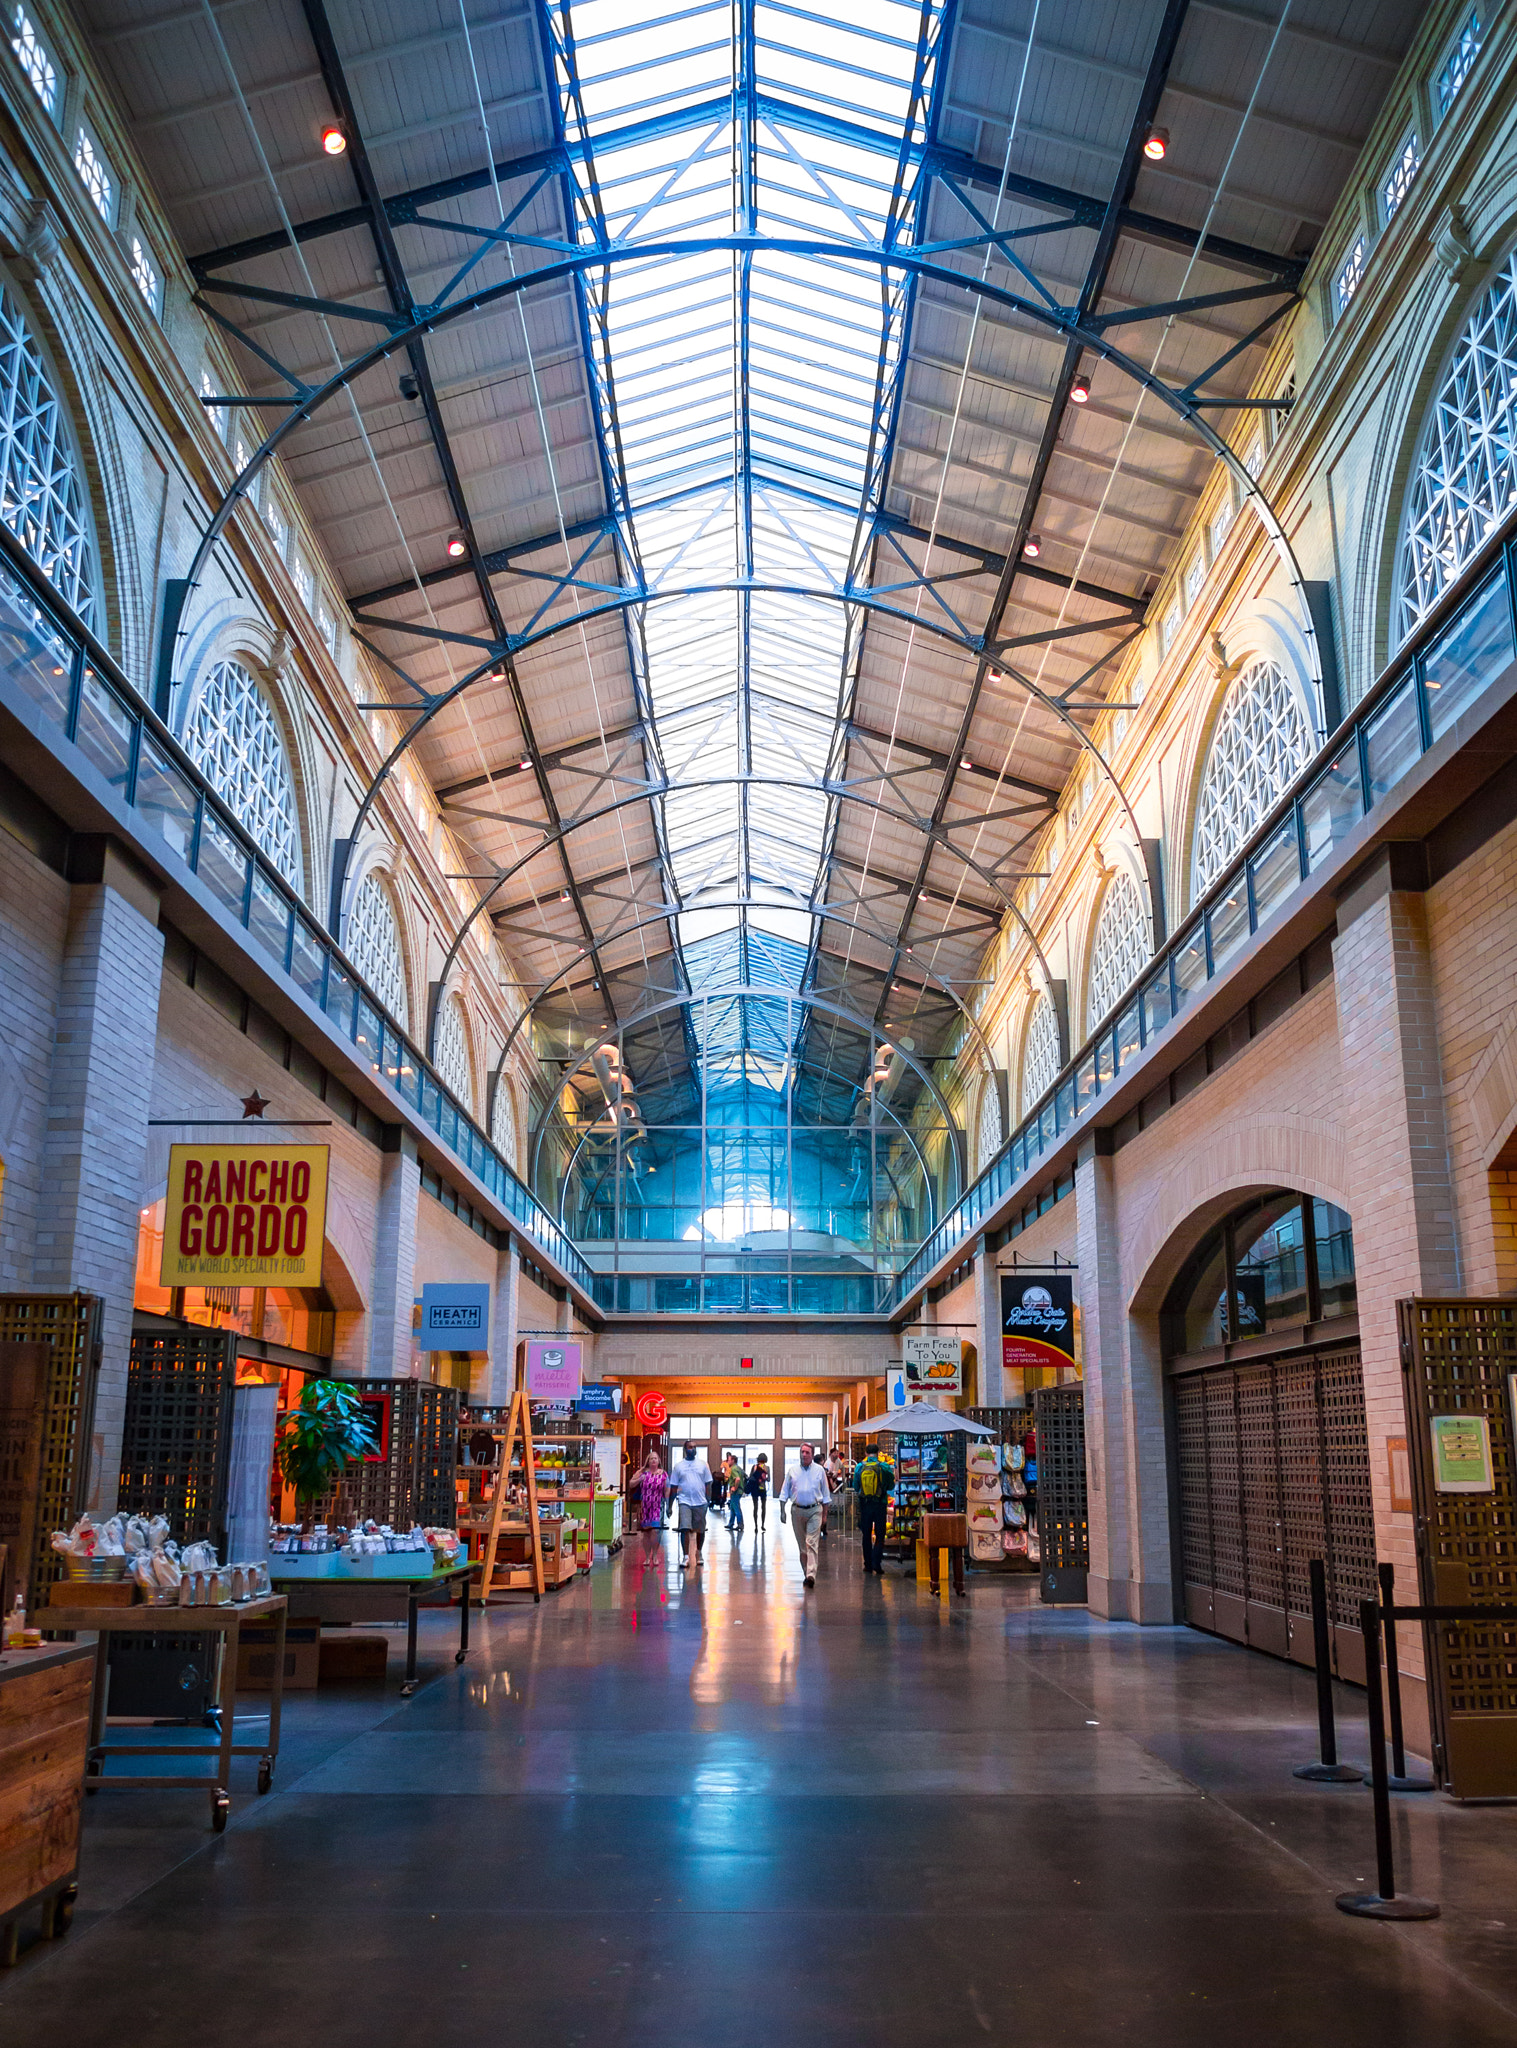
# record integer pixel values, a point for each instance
(920, 1420)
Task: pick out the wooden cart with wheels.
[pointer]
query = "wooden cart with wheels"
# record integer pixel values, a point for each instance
(226, 1622)
(44, 1734)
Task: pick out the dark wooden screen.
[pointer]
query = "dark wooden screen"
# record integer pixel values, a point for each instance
(69, 1326)
(1063, 1512)
(1459, 1357)
(1272, 1470)
(176, 1434)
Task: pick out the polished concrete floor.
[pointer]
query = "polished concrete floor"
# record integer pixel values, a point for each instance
(734, 1811)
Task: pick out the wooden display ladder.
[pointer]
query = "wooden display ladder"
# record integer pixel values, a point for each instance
(520, 1418)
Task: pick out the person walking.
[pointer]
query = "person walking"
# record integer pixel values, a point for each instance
(690, 1483)
(758, 1490)
(806, 1492)
(873, 1483)
(737, 1485)
(652, 1486)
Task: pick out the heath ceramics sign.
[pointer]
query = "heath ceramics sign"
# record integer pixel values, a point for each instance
(455, 1316)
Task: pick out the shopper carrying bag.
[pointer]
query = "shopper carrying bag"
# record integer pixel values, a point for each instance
(806, 1492)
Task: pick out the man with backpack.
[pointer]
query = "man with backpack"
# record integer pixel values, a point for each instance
(873, 1482)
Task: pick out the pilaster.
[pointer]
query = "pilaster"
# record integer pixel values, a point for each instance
(390, 1314)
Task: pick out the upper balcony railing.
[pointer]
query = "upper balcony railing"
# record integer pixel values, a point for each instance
(67, 675)
(1464, 643)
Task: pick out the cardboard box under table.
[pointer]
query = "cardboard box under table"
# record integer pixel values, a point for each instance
(337, 1602)
(225, 1622)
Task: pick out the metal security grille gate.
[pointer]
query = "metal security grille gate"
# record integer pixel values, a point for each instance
(69, 1326)
(1063, 1507)
(1459, 1358)
(1272, 1470)
(176, 1437)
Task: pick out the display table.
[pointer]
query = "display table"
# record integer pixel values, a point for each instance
(225, 1622)
(44, 1741)
(337, 1601)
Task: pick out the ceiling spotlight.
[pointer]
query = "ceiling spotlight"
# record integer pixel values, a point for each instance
(457, 545)
(409, 388)
(563, 895)
(967, 763)
(1079, 391)
(333, 141)
(1156, 145)
(1032, 547)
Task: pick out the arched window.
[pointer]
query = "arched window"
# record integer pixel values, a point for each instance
(1464, 480)
(503, 1122)
(1261, 743)
(1120, 950)
(1281, 1260)
(233, 735)
(40, 497)
(374, 947)
(453, 1053)
(987, 1141)
(1040, 1053)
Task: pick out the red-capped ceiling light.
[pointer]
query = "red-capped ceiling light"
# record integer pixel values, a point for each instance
(333, 141)
(1156, 145)
(457, 546)
(1079, 391)
(1032, 547)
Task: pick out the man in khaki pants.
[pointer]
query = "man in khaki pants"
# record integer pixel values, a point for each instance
(807, 1492)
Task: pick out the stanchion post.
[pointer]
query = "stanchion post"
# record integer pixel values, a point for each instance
(1399, 1781)
(1328, 1771)
(1383, 1903)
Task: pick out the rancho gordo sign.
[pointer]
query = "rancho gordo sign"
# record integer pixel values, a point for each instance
(245, 1216)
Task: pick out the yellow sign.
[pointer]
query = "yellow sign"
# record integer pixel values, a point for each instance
(245, 1216)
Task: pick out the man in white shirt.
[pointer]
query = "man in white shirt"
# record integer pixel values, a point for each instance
(807, 1491)
(689, 1479)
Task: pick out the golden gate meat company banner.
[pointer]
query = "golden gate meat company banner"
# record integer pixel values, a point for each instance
(245, 1216)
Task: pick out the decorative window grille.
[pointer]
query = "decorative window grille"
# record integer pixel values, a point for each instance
(1398, 180)
(1169, 627)
(95, 174)
(326, 626)
(35, 59)
(1262, 741)
(503, 1122)
(145, 272)
(1253, 462)
(239, 453)
(1120, 950)
(987, 1142)
(275, 520)
(233, 735)
(1347, 282)
(40, 498)
(374, 947)
(1460, 62)
(1464, 480)
(305, 582)
(1040, 1053)
(453, 1053)
(1195, 576)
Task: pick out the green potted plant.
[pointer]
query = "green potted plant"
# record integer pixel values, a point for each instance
(326, 1433)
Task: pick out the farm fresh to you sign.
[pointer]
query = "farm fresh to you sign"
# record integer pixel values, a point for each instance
(245, 1216)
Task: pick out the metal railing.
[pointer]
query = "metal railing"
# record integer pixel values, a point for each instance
(64, 672)
(1464, 643)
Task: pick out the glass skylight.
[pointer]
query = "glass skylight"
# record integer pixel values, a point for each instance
(747, 400)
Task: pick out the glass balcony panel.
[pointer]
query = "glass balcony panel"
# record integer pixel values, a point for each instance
(1129, 1038)
(1392, 741)
(1228, 919)
(340, 993)
(269, 912)
(1158, 1007)
(1190, 965)
(368, 1034)
(1276, 871)
(35, 658)
(165, 798)
(307, 958)
(1085, 1079)
(222, 865)
(1467, 655)
(105, 730)
(1332, 807)
(1067, 1102)
(1104, 1062)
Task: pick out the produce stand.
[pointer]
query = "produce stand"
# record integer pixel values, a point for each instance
(226, 1622)
(339, 1600)
(44, 1738)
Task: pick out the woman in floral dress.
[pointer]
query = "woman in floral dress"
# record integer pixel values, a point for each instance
(652, 1492)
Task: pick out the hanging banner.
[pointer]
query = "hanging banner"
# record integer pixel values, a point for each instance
(933, 1365)
(1037, 1319)
(245, 1216)
(553, 1371)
